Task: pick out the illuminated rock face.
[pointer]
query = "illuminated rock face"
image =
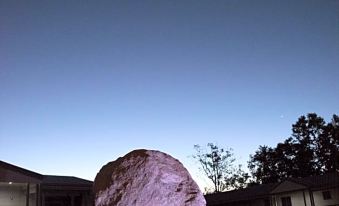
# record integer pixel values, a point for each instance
(146, 178)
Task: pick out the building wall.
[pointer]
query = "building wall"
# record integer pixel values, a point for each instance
(308, 198)
(66, 197)
(12, 195)
(297, 198)
(15, 194)
(21, 187)
(319, 199)
(33, 196)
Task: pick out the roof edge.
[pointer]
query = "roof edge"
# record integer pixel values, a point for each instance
(20, 170)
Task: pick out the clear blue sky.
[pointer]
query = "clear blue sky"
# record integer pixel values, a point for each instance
(82, 83)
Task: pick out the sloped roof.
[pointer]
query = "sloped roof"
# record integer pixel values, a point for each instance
(65, 180)
(47, 179)
(251, 193)
(20, 170)
(256, 192)
(320, 181)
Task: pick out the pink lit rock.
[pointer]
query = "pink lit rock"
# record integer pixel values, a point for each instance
(146, 178)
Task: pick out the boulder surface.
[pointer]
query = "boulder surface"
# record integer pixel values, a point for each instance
(146, 178)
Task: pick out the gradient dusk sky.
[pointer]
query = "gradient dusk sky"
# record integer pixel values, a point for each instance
(84, 82)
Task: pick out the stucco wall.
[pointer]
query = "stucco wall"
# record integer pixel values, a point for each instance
(319, 200)
(12, 195)
(297, 198)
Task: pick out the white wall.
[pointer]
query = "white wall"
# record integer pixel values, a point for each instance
(12, 195)
(32, 195)
(297, 198)
(319, 200)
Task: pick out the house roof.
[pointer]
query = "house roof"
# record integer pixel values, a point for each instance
(320, 181)
(65, 180)
(313, 182)
(251, 193)
(47, 179)
(20, 170)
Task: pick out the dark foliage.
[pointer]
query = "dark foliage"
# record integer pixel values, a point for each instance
(312, 149)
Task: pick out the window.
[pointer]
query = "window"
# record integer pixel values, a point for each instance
(327, 195)
(286, 201)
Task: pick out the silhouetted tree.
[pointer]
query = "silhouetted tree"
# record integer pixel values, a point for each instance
(218, 165)
(262, 165)
(312, 149)
(328, 147)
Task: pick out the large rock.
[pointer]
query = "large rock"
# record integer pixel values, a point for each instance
(146, 178)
